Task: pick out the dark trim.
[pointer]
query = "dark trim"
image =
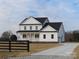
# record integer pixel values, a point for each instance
(30, 24)
(48, 31)
(37, 31)
(27, 31)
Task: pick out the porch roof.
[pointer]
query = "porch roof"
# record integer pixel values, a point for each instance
(34, 31)
(28, 31)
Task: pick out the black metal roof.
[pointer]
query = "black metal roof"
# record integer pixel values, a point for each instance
(55, 25)
(40, 19)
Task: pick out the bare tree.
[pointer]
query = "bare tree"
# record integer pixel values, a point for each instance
(72, 36)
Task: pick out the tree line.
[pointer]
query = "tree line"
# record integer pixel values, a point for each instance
(72, 36)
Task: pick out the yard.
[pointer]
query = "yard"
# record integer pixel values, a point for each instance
(76, 52)
(34, 47)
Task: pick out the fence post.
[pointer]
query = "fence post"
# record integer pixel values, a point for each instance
(28, 46)
(9, 46)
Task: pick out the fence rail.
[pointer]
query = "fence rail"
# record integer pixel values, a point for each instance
(14, 45)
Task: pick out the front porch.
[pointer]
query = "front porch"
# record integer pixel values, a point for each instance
(31, 36)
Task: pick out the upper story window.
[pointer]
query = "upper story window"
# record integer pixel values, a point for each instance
(44, 36)
(30, 27)
(52, 36)
(36, 27)
(24, 27)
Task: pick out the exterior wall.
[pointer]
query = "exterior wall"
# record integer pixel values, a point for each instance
(48, 28)
(40, 39)
(19, 36)
(58, 36)
(31, 20)
(28, 36)
(21, 27)
(61, 34)
(48, 37)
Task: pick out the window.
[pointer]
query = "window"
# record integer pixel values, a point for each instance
(36, 27)
(36, 35)
(44, 36)
(32, 35)
(30, 27)
(24, 27)
(52, 36)
(24, 35)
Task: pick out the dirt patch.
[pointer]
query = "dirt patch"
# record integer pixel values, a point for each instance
(76, 53)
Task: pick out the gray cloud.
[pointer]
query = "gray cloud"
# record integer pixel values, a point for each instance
(13, 12)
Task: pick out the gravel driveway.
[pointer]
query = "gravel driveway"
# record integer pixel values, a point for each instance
(65, 50)
(61, 52)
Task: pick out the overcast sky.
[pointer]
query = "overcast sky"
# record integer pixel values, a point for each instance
(12, 12)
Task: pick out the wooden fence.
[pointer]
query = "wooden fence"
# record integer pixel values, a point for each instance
(14, 45)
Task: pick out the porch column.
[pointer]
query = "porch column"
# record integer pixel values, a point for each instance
(34, 36)
(30, 36)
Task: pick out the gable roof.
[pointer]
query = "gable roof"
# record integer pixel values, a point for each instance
(40, 19)
(55, 25)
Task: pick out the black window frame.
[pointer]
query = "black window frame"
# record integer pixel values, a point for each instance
(52, 36)
(24, 36)
(36, 35)
(36, 27)
(30, 27)
(44, 36)
(24, 27)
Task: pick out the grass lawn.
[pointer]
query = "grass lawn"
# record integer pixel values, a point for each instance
(34, 47)
(76, 52)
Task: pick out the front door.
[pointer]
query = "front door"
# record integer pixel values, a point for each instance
(33, 36)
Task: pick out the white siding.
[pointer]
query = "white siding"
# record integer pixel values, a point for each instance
(48, 34)
(29, 36)
(41, 39)
(21, 27)
(31, 20)
(48, 28)
(61, 34)
(19, 36)
(48, 37)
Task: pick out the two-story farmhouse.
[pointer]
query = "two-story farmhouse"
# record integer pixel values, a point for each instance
(39, 29)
